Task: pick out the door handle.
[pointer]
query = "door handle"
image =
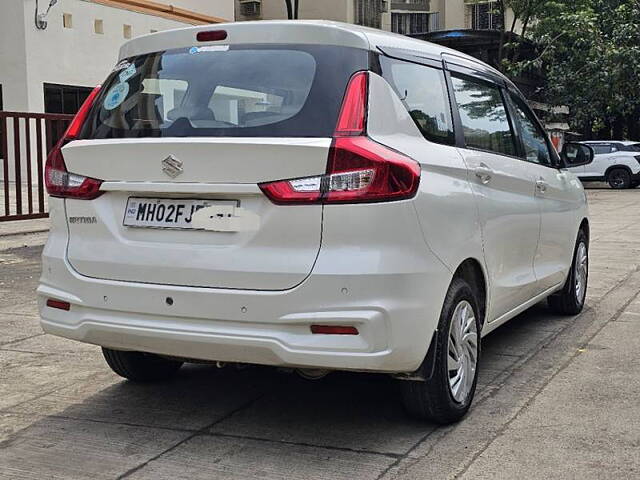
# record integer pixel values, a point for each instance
(541, 185)
(484, 173)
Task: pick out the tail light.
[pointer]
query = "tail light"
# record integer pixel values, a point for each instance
(60, 182)
(359, 170)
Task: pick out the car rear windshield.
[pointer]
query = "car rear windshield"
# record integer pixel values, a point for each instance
(634, 147)
(236, 91)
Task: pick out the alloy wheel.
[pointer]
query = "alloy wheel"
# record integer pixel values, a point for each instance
(617, 179)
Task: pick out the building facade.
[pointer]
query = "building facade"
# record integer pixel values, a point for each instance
(52, 69)
(408, 17)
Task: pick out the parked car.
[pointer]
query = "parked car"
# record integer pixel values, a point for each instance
(310, 195)
(615, 162)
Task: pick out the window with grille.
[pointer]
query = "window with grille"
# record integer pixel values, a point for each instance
(484, 16)
(410, 23)
(64, 98)
(369, 12)
(250, 8)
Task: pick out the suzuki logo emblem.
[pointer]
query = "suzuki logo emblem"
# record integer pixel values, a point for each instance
(172, 166)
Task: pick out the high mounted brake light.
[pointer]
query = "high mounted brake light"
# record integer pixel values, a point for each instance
(359, 170)
(211, 35)
(60, 182)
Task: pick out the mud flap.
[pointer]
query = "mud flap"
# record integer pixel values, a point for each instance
(427, 367)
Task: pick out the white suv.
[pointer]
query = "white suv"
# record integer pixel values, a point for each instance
(309, 195)
(615, 162)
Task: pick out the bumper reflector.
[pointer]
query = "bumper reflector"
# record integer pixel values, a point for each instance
(334, 330)
(59, 304)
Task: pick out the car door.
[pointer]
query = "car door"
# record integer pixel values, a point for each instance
(504, 187)
(558, 196)
(579, 170)
(601, 161)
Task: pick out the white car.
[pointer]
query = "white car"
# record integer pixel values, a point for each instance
(615, 162)
(309, 195)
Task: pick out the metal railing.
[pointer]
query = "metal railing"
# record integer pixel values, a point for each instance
(25, 140)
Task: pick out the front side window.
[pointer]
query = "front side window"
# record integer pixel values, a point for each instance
(423, 92)
(534, 139)
(484, 116)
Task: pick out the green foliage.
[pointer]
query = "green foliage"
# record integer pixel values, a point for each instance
(589, 52)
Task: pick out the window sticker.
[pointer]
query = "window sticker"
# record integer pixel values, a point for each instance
(127, 73)
(121, 65)
(209, 48)
(116, 96)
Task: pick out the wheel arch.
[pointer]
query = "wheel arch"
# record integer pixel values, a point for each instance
(472, 272)
(584, 225)
(617, 166)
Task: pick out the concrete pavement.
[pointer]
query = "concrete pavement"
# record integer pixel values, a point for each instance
(557, 397)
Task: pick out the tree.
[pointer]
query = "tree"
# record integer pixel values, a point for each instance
(524, 12)
(589, 53)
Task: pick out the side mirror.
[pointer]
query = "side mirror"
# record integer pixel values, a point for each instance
(576, 154)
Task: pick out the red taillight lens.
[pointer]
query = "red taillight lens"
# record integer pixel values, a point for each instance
(76, 124)
(334, 330)
(359, 170)
(59, 304)
(353, 114)
(61, 183)
(211, 35)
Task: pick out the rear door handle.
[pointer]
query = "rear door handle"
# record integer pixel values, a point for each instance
(484, 173)
(541, 185)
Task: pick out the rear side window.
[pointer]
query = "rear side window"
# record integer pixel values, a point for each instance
(601, 149)
(423, 91)
(245, 90)
(484, 116)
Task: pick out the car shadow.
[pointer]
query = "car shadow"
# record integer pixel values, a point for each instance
(347, 412)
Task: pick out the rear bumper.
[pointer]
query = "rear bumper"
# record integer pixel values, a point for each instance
(253, 327)
(394, 305)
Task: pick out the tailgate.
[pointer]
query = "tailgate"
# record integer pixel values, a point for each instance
(268, 247)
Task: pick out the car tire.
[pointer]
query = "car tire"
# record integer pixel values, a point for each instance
(139, 366)
(437, 399)
(619, 178)
(570, 300)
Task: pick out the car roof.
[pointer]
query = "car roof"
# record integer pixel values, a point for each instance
(319, 32)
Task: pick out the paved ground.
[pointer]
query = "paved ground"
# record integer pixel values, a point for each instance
(558, 397)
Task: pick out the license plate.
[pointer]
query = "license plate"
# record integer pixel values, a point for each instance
(171, 212)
